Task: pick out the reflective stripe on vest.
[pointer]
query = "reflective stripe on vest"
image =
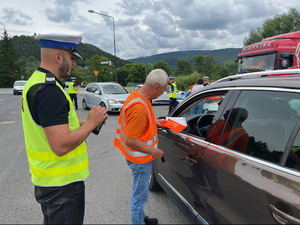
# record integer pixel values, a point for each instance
(71, 88)
(46, 168)
(120, 133)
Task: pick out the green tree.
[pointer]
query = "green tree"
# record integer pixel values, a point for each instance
(279, 24)
(183, 67)
(231, 67)
(123, 73)
(105, 70)
(163, 65)
(136, 73)
(204, 64)
(10, 66)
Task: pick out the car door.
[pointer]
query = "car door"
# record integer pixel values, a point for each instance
(96, 95)
(259, 183)
(183, 150)
(88, 94)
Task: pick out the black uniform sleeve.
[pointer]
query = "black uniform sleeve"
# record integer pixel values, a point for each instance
(172, 87)
(51, 106)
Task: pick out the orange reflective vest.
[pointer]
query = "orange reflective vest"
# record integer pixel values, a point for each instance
(149, 136)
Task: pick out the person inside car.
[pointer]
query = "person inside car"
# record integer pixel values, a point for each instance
(232, 133)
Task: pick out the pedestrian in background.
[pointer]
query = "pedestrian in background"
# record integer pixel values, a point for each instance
(172, 94)
(206, 81)
(136, 137)
(54, 137)
(198, 86)
(198, 108)
(73, 91)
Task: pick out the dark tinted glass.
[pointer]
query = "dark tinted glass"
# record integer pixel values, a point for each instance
(260, 123)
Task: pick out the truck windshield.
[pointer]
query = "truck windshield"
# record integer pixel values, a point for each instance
(256, 63)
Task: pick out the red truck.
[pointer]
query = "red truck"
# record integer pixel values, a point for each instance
(273, 53)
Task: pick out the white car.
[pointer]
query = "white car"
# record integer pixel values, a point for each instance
(164, 98)
(19, 86)
(109, 95)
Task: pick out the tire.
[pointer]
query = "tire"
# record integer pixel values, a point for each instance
(102, 104)
(153, 184)
(84, 105)
(15, 92)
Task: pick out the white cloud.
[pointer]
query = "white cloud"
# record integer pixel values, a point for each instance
(144, 27)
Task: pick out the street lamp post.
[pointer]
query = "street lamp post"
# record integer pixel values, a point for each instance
(92, 11)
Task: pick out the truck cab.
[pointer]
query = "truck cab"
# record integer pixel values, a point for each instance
(273, 53)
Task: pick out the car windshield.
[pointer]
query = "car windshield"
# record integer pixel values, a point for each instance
(20, 83)
(113, 89)
(256, 63)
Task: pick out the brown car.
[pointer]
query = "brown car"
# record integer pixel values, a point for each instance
(238, 160)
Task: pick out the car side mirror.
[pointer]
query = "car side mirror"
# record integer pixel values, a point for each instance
(97, 92)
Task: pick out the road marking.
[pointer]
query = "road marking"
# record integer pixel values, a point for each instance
(7, 122)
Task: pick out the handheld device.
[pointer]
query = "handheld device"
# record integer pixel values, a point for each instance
(98, 128)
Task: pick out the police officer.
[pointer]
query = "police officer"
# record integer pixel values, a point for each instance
(206, 81)
(73, 91)
(54, 137)
(172, 94)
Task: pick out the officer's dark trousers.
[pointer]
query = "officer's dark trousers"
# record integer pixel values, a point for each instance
(62, 205)
(74, 99)
(172, 104)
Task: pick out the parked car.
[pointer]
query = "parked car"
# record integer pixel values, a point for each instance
(109, 95)
(238, 159)
(164, 98)
(67, 84)
(18, 86)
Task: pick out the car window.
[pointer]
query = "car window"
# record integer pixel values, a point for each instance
(293, 160)
(97, 88)
(89, 88)
(113, 89)
(199, 115)
(259, 124)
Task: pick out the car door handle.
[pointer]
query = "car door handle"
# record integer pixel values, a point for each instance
(191, 161)
(282, 217)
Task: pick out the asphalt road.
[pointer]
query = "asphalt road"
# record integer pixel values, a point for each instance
(108, 188)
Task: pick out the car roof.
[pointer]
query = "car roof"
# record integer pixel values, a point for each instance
(276, 82)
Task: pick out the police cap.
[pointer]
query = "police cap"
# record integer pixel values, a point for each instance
(60, 41)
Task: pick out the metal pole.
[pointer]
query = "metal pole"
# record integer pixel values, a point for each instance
(115, 51)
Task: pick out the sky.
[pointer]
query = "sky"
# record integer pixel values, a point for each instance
(143, 27)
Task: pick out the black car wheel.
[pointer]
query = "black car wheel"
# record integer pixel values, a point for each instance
(84, 105)
(102, 104)
(153, 184)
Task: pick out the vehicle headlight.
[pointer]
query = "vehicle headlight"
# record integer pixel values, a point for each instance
(112, 101)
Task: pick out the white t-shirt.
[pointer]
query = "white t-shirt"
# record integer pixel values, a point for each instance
(197, 88)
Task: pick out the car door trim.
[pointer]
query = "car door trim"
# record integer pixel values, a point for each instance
(187, 204)
(223, 149)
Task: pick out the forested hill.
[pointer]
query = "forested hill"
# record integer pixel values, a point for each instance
(220, 56)
(28, 49)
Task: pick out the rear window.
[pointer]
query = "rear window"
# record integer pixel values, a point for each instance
(113, 89)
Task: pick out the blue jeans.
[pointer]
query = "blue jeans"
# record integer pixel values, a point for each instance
(140, 183)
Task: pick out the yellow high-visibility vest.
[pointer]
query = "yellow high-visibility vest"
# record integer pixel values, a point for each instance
(174, 94)
(46, 168)
(72, 89)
